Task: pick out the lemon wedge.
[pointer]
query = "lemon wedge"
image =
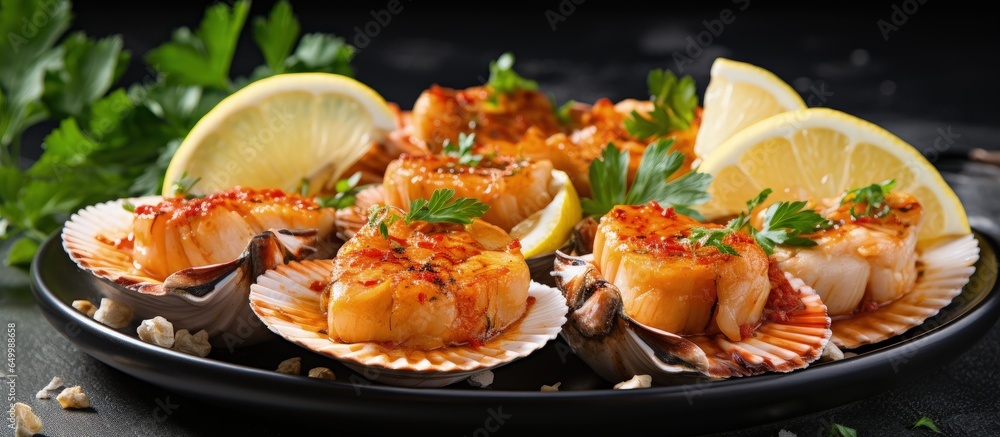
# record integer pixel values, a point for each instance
(820, 153)
(739, 95)
(549, 228)
(280, 130)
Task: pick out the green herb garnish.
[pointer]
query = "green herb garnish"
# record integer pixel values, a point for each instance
(562, 112)
(609, 181)
(111, 142)
(182, 187)
(436, 210)
(873, 196)
(303, 187)
(503, 78)
(837, 430)
(926, 422)
(347, 190)
(463, 150)
(783, 224)
(128, 206)
(673, 100)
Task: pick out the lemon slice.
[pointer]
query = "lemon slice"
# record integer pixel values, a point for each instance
(820, 153)
(549, 228)
(279, 130)
(739, 95)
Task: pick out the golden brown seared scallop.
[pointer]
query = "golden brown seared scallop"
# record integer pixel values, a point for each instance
(427, 285)
(178, 233)
(670, 284)
(590, 132)
(864, 262)
(440, 114)
(512, 188)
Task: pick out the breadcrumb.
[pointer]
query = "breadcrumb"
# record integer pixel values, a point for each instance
(481, 379)
(637, 381)
(54, 384)
(26, 423)
(321, 373)
(114, 314)
(291, 366)
(158, 331)
(85, 306)
(553, 387)
(73, 397)
(831, 353)
(196, 344)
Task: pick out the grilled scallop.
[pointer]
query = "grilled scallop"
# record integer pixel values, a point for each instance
(427, 286)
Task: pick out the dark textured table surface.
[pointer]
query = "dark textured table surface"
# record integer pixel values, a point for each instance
(933, 74)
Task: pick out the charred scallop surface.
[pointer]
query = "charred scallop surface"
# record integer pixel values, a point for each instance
(426, 286)
(512, 188)
(670, 284)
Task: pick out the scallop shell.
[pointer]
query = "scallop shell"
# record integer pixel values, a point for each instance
(947, 268)
(287, 300)
(617, 347)
(211, 297)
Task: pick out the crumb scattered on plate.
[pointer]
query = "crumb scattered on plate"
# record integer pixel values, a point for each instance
(291, 366)
(321, 373)
(481, 379)
(114, 314)
(637, 381)
(158, 331)
(196, 344)
(85, 306)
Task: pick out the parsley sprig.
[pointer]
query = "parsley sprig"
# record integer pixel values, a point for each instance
(928, 423)
(182, 187)
(503, 78)
(784, 222)
(674, 101)
(609, 181)
(463, 150)
(347, 190)
(439, 209)
(873, 196)
(838, 430)
(106, 142)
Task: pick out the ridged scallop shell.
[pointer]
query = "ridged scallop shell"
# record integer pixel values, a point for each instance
(947, 268)
(211, 297)
(617, 347)
(287, 300)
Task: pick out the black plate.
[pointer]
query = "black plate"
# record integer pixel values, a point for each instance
(242, 378)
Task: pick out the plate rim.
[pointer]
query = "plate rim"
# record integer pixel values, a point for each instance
(59, 313)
